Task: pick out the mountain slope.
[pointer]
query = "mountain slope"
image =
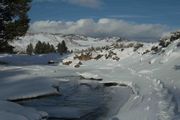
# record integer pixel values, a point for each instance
(73, 41)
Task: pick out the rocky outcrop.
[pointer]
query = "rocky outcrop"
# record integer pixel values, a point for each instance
(83, 56)
(67, 62)
(165, 41)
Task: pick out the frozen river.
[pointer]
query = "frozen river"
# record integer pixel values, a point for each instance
(82, 100)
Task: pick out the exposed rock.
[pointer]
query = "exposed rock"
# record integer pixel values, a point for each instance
(98, 57)
(145, 52)
(116, 58)
(51, 62)
(109, 84)
(67, 62)
(137, 46)
(84, 56)
(164, 42)
(130, 45)
(78, 64)
(110, 54)
(155, 49)
(175, 36)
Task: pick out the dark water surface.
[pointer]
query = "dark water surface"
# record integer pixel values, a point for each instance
(81, 100)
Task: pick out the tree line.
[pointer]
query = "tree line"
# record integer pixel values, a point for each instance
(44, 48)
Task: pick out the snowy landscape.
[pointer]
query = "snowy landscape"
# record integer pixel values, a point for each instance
(111, 79)
(89, 60)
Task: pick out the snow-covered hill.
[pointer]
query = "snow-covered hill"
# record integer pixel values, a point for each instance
(73, 41)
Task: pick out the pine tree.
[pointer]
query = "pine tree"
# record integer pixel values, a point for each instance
(64, 47)
(52, 49)
(48, 48)
(38, 48)
(43, 48)
(30, 49)
(5, 18)
(59, 48)
(13, 21)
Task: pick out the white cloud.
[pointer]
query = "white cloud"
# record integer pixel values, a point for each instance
(101, 28)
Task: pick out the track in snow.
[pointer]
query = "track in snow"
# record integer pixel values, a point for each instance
(166, 104)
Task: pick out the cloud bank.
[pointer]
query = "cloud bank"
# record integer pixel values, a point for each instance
(104, 27)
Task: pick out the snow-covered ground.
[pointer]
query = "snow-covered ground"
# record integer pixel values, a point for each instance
(145, 86)
(58, 92)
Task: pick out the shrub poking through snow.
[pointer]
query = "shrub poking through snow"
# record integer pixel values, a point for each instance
(137, 46)
(145, 52)
(164, 42)
(78, 64)
(116, 58)
(84, 56)
(98, 57)
(155, 49)
(130, 45)
(175, 36)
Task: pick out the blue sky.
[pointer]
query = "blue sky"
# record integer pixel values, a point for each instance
(161, 12)
(142, 11)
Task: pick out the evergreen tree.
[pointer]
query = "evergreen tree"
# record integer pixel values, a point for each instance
(43, 48)
(64, 47)
(38, 48)
(52, 49)
(59, 48)
(5, 18)
(29, 49)
(48, 48)
(13, 21)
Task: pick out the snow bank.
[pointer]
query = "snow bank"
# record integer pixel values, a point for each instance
(88, 75)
